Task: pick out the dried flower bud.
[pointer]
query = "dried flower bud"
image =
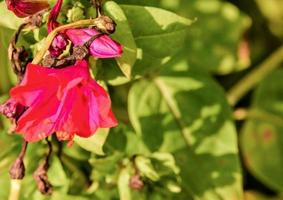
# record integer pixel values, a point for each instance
(136, 182)
(17, 171)
(80, 52)
(48, 61)
(105, 24)
(41, 178)
(25, 8)
(12, 109)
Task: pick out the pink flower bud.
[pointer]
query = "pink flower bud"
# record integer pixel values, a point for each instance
(12, 109)
(101, 47)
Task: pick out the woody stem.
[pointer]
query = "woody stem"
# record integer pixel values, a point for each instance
(78, 24)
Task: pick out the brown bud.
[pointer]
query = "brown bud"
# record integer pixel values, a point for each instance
(105, 24)
(41, 178)
(80, 52)
(48, 61)
(17, 171)
(136, 183)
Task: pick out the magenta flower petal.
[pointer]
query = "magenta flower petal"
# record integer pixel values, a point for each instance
(101, 47)
(60, 42)
(25, 8)
(54, 13)
(66, 101)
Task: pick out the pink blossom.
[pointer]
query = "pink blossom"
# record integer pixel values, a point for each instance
(66, 101)
(101, 47)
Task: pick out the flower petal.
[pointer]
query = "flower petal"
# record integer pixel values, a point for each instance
(101, 47)
(25, 8)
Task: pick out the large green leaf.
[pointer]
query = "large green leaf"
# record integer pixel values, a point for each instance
(124, 35)
(184, 112)
(158, 34)
(262, 139)
(216, 40)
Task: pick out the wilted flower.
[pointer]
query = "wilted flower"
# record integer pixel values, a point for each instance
(12, 109)
(101, 47)
(25, 8)
(67, 101)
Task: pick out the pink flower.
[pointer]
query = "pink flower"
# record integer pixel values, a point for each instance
(60, 42)
(25, 8)
(66, 101)
(101, 47)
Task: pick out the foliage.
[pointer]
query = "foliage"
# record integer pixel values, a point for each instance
(177, 134)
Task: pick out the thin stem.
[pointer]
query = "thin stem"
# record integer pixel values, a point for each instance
(251, 80)
(52, 35)
(17, 173)
(15, 189)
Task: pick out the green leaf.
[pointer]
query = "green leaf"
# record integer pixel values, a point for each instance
(146, 168)
(8, 19)
(56, 173)
(94, 143)
(123, 35)
(272, 10)
(262, 134)
(216, 41)
(155, 45)
(156, 26)
(5, 71)
(184, 111)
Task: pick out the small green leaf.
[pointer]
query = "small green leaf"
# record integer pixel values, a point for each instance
(94, 143)
(146, 168)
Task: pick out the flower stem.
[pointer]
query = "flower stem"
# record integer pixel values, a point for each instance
(251, 80)
(15, 189)
(52, 35)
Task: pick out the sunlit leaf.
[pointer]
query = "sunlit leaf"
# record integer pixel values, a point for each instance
(94, 143)
(262, 134)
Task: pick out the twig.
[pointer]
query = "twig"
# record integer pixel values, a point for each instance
(52, 35)
(251, 80)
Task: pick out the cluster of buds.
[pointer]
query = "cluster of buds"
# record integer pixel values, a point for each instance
(58, 95)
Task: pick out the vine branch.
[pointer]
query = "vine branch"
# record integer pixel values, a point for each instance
(251, 80)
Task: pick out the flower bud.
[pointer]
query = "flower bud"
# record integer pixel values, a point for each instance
(25, 8)
(136, 182)
(41, 178)
(17, 171)
(12, 109)
(105, 24)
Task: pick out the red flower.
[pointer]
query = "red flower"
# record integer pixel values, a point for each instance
(66, 101)
(25, 8)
